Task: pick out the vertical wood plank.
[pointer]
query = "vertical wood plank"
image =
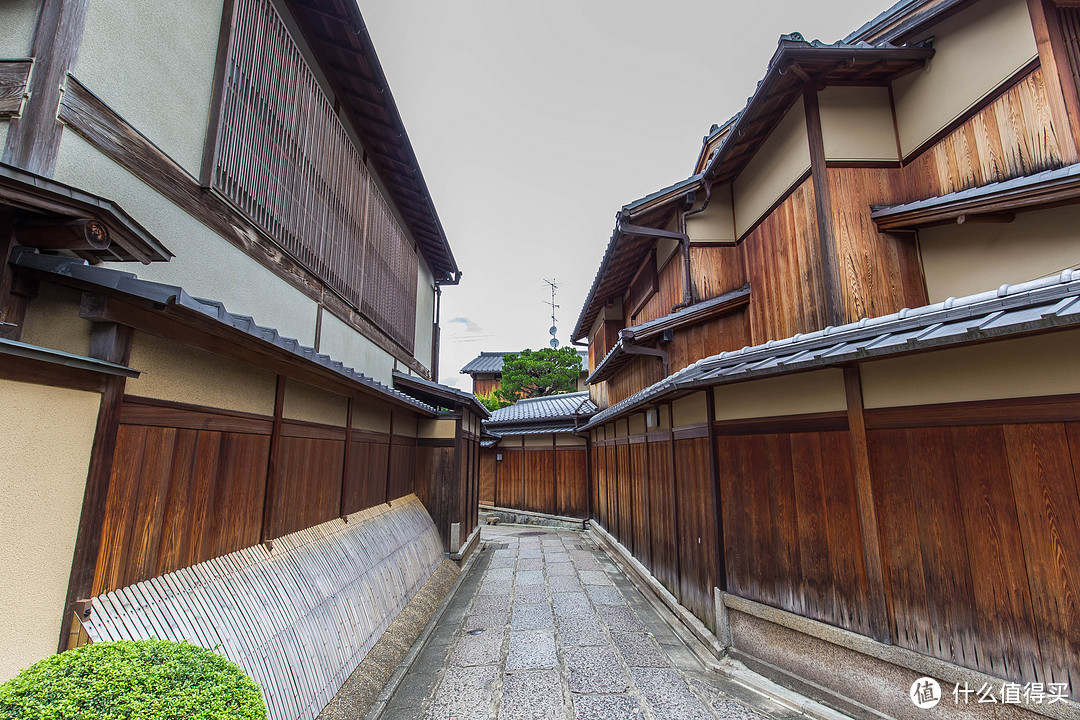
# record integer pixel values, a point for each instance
(270, 496)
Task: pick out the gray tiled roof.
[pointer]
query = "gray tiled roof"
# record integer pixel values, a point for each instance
(492, 362)
(438, 392)
(65, 270)
(551, 407)
(1043, 304)
(541, 429)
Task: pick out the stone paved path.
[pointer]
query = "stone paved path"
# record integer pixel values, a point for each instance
(544, 626)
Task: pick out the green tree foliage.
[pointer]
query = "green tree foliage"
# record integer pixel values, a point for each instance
(146, 679)
(536, 373)
(492, 401)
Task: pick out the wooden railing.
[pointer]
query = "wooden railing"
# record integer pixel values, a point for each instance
(283, 157)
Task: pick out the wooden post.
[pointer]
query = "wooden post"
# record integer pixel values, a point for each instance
(345, 462)
(554, 476)
(110, 342)
(389, 460)
(718, 515)
(674, 503)
(33, 139)
(589, 475)
(1057, 72)
(269, 497)
(830, 256)
(880, 621)
(459, 490)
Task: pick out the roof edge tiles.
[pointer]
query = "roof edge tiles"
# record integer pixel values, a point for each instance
(445, 393)
(546, 409)
(174, 300)
(1027, 192)
(1038, 305)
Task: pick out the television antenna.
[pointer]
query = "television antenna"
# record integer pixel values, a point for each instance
(553, 330)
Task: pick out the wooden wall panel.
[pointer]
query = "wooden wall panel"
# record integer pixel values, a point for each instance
(307, 487)
(880, 273)
(487, 476)
(539, 480)
(1010, 137)
(696, 528)
(669, 291)
(510, 489)
(572, 480)
(611, 488)
(725, 333)
(662, 519)
(365, 477)
(783, 267)
(402, 467)
(640, 372)
(716, 269)
(624, 496)
(482, 386)
(178, 497)
(639, 491)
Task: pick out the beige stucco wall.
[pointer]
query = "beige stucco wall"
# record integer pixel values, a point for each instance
(179, 373)
(537, 441)
(1023, 367)
(975, 51)
(52, 321)
(665, 248)
(441, 429)
(510, 442)
(568, 440)
(608, 312)
(20, 16)
(405, 425)
(370, 417)
(857, 123)
(341, 342)
(205, 265)
(423, 350)
(153, 63)
(778, 163)
(964, 259)
(690, 410)
(312, 404)
(717, 223)
(811, 392)
(622, 429)
(46, 435)
(637, 424)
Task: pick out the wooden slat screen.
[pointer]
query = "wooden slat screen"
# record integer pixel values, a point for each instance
(284, 158)
(1070, 29)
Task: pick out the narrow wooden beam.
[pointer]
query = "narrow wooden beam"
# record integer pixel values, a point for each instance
(985, 218)
(345, 462)
(830, 257)
(718, 514)
(33, 139)
(272, 467)
(880, 620)
(110, 342)
(588, 474)
(554, 476)
(389, 460)
(1057, 74)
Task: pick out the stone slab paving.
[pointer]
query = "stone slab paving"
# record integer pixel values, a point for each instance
(544, 627)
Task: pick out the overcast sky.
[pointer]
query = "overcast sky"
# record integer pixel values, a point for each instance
(534, 122)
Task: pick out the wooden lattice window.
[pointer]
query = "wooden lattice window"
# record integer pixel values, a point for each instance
(283, 157)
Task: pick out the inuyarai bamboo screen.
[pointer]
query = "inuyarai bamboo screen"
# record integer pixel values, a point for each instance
(284, 158)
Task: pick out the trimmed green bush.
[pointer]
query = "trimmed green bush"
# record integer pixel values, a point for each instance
(145, 679)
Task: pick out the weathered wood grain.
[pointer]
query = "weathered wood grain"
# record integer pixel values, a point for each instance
(13, 78)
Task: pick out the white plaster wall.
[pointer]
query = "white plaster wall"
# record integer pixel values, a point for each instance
(778, 163)
(17, 33)
(965, 259)
(717, 223)
(341, 342)
(975, 51)
(857, 123)
(803, 393)
(153, 63)
(46, 435)
(206, 265)
(425, 315)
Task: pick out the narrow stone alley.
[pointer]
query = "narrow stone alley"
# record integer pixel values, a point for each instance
(544, 626)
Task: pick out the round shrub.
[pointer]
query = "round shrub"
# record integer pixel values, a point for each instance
(151, 679)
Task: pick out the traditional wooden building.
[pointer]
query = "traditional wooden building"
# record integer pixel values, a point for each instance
(486, 371)
(218, 331)
(535, 460)
(837, 365)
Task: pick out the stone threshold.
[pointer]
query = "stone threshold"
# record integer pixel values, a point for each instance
(511, 516)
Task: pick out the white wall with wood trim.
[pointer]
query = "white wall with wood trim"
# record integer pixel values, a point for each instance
(965, 259)
(206, 265)
(52, 321)
(976, 50)
(341, 342)
(1022, 367)
(177, 372)
(819, 391)
(857, 123)
(424, 348)
(153, 63)
(717, 222)
(781, 160)
(20, 17)
(46, 435)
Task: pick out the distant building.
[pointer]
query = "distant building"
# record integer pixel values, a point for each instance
(486, 371)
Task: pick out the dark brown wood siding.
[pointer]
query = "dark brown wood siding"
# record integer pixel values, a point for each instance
(550, 480)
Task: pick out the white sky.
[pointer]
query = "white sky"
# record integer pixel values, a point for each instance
(534, 122)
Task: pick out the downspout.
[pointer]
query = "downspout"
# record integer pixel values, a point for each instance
(437, 333)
